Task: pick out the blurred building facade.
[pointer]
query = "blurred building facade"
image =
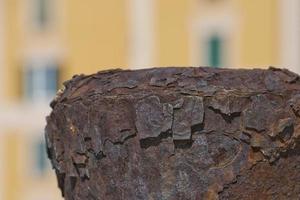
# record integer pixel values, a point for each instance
(43, 42)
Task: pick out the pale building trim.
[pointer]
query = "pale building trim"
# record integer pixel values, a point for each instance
(24, 118)
(289, 14)
(141, 33)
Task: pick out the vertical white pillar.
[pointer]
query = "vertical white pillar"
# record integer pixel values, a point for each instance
(289, 48)
(141, 32)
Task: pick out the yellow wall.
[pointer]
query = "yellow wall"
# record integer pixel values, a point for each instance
(259, 32)
(12, 45)
(171, 29)
(11, 167)
(96, 35)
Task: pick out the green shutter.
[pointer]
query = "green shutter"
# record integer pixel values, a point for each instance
(42, 13)
(214, 51)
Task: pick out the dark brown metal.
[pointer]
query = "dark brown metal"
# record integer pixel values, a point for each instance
(177, 133)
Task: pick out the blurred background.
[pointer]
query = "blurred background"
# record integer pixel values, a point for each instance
(45, 42)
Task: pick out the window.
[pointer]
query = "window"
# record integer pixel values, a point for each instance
(40, 82)
(40, 158)
(42, 13)
(214, 51)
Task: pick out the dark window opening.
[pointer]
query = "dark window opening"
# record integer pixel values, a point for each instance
(40, 82)
(40, 157)
(214, 51)
(42, 13)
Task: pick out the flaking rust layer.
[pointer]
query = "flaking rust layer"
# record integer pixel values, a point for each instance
(177, 133)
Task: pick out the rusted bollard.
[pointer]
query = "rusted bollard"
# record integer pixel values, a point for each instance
(177, 133)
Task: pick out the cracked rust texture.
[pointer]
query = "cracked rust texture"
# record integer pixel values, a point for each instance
(177, 133)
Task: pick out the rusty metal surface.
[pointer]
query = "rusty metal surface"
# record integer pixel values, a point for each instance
(177, 133)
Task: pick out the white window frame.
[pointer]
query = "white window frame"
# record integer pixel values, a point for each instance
(40, 94)
(203, 27)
